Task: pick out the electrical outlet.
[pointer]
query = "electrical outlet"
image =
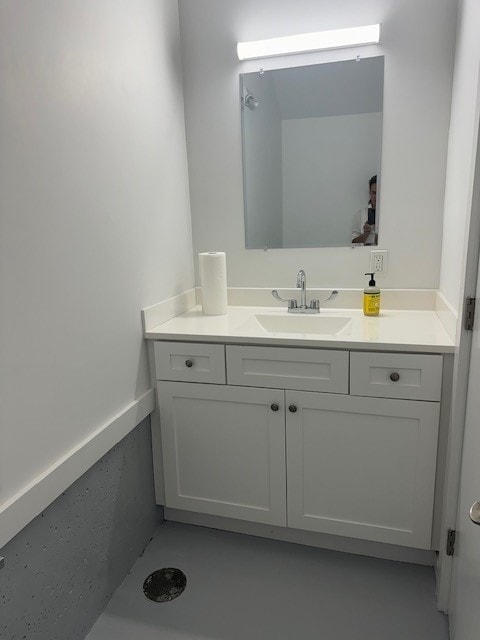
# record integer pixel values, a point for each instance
(378, 262)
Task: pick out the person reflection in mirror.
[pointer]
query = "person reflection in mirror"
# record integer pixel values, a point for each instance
(365, 229)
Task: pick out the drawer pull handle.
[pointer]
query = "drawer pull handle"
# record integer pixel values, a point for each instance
(292, 408)
(394, 377)
(189, 363)
(274, 407)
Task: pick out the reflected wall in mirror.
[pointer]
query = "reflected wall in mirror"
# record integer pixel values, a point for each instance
(311, 140)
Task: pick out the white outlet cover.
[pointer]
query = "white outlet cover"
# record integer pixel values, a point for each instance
(376, 254)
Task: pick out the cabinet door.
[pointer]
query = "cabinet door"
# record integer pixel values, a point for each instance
(224, 450)
(362, 467)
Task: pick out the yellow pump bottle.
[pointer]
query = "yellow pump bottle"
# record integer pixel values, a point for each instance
(371, 298)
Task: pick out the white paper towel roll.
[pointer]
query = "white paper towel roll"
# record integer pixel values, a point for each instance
(213, 280)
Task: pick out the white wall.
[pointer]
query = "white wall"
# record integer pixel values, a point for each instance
(461, 152)
(318, 206)
(417, 42)
(94, 215)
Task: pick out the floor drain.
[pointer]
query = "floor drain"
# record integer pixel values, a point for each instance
(164, 585)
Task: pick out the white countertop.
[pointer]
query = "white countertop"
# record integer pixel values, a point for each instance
(393, 330)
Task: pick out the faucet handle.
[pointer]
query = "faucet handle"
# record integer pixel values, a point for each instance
(292, 304)
(314, 304)
(278, 297)
(332, 296)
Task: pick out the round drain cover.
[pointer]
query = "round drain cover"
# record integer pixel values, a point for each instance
(164, 585)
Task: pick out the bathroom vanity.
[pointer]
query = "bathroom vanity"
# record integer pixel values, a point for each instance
(326, 424)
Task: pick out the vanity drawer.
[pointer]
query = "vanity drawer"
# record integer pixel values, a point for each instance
(283, 368)
(396, 375)
(189, 362)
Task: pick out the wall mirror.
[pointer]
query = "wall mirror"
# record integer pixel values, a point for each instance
(311, 139)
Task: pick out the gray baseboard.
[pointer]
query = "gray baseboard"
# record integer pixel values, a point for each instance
(62, 569)
(308, 538)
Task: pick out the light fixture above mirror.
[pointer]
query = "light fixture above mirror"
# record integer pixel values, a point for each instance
(309, 42)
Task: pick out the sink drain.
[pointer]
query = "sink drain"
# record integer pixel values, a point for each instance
(164, 585)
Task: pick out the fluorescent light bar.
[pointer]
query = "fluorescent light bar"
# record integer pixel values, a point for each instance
(306, 42)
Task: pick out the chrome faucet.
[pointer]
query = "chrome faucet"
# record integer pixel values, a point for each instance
(302, 284)
(293, 306)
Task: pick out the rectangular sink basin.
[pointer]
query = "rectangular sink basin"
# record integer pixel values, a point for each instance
(313, 324)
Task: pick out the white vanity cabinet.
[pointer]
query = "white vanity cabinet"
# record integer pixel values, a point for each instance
(332, 441)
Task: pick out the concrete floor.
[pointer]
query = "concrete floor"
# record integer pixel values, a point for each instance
(241, 587)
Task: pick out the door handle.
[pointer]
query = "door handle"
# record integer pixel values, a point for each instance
(475, 513)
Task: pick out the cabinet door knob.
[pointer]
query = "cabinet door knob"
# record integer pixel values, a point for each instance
(274, 407)
(394, 377)
(189, 363)
(292, 408)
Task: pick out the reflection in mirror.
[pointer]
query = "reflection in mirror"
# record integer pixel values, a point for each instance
(312, 141)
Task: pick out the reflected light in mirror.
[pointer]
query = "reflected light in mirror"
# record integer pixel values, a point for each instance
(305, 42)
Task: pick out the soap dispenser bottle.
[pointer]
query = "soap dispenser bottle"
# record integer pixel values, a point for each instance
(371, 298)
